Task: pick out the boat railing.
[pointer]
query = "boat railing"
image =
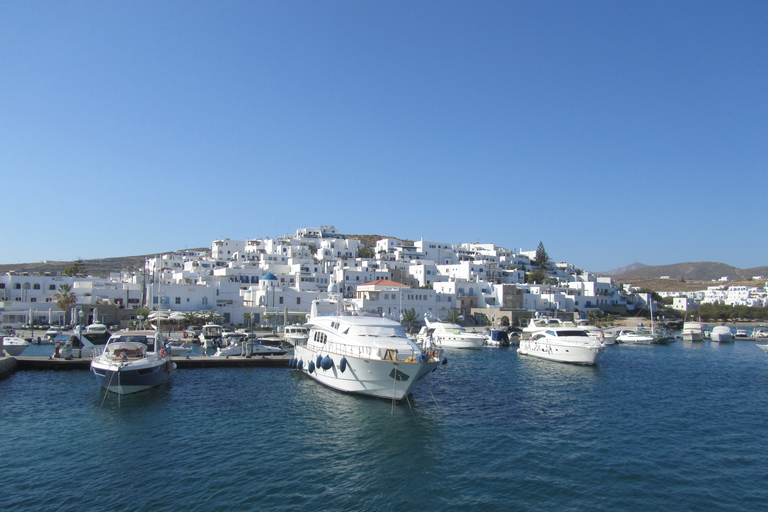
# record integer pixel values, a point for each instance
(364, 352)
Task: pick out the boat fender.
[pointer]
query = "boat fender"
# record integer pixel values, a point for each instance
(319, 360)
(311, 367)
(291, 363)
(300, 365)
(326, 363)
(343, 364)
(445, 360)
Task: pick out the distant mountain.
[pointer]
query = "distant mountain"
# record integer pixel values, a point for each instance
(621, 270)
(698, 271)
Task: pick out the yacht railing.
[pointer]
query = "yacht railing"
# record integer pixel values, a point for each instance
(362, 352)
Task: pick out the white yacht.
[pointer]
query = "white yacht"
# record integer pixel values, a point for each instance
(449, 335)
(562, 344)
(14, 346)
(295, 334)
(693, 331)
(361, 352)
(721, 334)
(132, 361)
(760, 332)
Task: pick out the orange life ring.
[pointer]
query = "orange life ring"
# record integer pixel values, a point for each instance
(162, 352)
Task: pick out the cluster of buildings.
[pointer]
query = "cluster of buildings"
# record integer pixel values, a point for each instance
(734, 295)
(273, 281)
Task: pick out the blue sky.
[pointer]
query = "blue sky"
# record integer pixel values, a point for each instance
(613, 132)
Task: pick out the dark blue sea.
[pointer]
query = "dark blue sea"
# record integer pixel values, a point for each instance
(677, 427)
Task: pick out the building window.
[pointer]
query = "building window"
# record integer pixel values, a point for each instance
(298, 300)
(281, 300)
(36, 286)
(178, 300)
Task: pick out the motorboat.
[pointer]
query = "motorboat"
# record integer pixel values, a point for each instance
(211, 336)
(764, 348)
(295, 334)
(361, 352)
(498, 338)
(637, 337)
(540, 324)
(179, 348)
(562, 344)
(14, 345)
(244, 346)
(449, 335)
(133, 361)
(693, 331)
(741, 333)
(760, 332)
(721, 334)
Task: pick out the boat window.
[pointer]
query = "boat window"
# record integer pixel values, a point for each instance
(139, 339)
(575, 332)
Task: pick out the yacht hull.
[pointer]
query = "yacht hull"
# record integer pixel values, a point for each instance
(128, 379)
(472, 342)
(391, 380)
(587, 355)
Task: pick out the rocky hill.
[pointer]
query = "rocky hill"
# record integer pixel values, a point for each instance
(699, 271)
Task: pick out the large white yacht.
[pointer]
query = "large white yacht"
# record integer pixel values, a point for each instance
(562, 344)
(693, 331)
(449, 335)
(360, 352)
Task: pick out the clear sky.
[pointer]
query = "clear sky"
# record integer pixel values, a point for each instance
(612, 132)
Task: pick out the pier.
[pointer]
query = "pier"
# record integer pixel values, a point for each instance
(9, 365)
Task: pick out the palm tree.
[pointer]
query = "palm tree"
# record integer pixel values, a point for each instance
(409, 317)
(453, 316)
(64, 298)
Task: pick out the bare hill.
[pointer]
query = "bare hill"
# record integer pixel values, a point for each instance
(699, 271)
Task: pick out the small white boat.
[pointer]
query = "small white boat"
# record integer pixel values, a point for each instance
(243, 346)
(764, 348)
(636, 337)
(133, 361)
(361, 352)
(449, 335)
(741, 333)
(562, 344)
(721, 334)
(14, 346)
(760, 332)
(211, 336)
(179, 348)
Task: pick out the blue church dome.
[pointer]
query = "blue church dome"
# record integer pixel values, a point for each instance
(269, 276)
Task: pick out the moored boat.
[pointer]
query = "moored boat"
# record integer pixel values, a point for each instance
(361, 352)
(562, 344)
(741, 333)
(14, 346)
(132, 361)
(295, 334)
(721, 334)
(693, 331)
(637, 337)
(449, 335)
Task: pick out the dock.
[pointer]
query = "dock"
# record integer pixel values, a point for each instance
(9, 365)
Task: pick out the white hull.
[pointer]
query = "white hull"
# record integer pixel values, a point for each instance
(470, 341)
(721, 335)
(764, 348)
(562, 353)
(372, 377)
(14, 346)
(693, 336)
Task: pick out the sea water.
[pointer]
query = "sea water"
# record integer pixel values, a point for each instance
(677, 427)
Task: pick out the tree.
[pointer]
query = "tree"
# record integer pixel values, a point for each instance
(366, 252)
(542, 258)
(537, 276)
(409, 317)
(64, 298)
(453, 316)
(74, 269)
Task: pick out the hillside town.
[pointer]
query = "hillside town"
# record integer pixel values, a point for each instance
(270, 282)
